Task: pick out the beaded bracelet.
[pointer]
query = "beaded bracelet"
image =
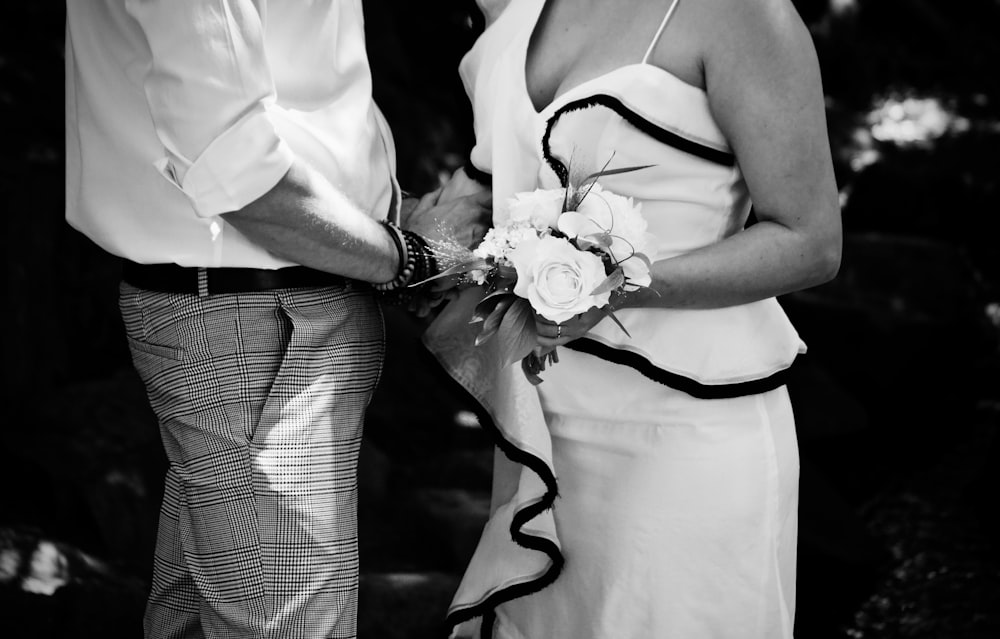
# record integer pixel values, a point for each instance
(430, 260)
(425, 265)
(416, 264)
(407, 259)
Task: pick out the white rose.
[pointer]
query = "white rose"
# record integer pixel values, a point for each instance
(540, 208)
(603, 211)
(557, 278)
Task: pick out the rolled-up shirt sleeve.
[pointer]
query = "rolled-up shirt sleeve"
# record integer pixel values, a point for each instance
(209, 91)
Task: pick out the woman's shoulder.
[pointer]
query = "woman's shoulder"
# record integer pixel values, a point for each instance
(723, 33)
(750, 27)
(491, 9)
(751, 14)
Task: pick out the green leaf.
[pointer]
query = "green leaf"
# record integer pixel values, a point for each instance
(532, 366)
(641, 288)
(477, 264)
(608, 312)
(592, 179)
(611, 282)
(624, 169)
(498, 293)
(487, 305)
(517, 332)
(590, 185)
(574, 171)
(504, 280)
(493, 322)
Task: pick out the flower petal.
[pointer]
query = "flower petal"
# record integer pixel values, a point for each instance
(636, 272)
(575, 224)
(523, 258)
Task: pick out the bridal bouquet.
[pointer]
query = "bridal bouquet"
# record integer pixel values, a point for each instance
(560, 252)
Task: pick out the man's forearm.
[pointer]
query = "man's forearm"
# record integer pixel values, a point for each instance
(304, 219)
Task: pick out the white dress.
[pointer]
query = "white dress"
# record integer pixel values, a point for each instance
(648, 487)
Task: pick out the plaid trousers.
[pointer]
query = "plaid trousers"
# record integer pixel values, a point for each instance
(260, 399)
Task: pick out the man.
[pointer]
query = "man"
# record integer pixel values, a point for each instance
(231, 154)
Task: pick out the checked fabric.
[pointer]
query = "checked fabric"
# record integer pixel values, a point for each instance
(260, 398)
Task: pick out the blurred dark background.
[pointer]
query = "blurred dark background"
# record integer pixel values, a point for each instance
(898, 403)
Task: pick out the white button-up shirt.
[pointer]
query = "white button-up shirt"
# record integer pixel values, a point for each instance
(180, 110)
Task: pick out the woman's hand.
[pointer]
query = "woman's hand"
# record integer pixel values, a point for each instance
(552, 334)
(460, 212)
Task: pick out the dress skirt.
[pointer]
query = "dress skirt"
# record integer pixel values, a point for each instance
(677, 517)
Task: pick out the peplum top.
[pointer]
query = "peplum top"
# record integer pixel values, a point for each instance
(692, 196)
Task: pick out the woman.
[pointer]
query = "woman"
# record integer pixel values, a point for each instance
(648, 487)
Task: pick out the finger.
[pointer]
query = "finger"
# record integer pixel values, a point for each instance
(549, 330)
(540, 351)
(478, 214)
(427, 201)
(541, 319)
(460, 185)
(548, 343)
(482, 198)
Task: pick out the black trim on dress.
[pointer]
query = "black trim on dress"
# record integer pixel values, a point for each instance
(485, 608)
(651, 129)
(679, 382)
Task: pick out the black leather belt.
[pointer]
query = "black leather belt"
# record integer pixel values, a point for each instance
(171, 278)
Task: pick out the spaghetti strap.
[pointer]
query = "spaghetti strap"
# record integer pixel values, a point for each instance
(659, 32)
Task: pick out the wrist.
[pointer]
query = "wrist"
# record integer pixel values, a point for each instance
(404, 261)
(406, 209)
(416, 260)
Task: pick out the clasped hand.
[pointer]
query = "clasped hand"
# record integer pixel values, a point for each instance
(458, 213)
(552, 334)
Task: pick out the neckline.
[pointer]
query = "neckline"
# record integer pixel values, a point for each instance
(558, 97)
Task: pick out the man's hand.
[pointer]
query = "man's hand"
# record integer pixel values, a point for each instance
(460, 213)
(415, 206)
(462, 220)
(460, 184)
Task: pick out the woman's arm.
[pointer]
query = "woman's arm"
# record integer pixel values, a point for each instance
(763, 84)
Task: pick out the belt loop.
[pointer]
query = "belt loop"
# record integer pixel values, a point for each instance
(202, 282)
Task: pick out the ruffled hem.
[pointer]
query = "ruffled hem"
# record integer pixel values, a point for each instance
(519, 552)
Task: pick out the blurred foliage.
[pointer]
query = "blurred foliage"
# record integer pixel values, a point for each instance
(902, 348)
(949, 189)
(933, 46)
(414, 48)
